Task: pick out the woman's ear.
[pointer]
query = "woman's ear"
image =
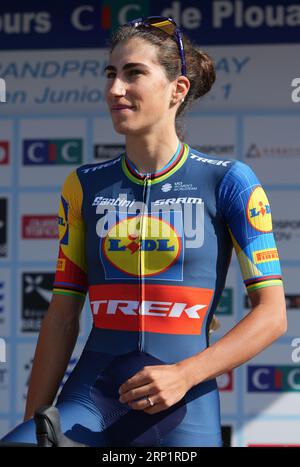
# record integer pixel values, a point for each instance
(181, 88)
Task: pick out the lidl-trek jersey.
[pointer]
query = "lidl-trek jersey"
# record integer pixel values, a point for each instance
(152, 251)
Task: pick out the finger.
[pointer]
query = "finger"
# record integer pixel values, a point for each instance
(139, 379)
(136, 393)
(143, 403)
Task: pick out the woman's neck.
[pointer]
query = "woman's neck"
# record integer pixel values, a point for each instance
(150, 154)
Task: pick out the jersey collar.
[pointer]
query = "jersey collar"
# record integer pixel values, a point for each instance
(172, 166)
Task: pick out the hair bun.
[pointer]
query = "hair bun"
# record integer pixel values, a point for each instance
(206, 73)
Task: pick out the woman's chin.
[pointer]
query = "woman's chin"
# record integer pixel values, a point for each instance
(123, 129)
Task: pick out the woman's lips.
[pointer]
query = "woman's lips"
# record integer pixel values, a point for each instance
(121, 108)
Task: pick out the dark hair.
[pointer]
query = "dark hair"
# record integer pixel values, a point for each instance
(200, 66)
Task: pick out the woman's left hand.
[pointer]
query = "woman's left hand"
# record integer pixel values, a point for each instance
(164, 384)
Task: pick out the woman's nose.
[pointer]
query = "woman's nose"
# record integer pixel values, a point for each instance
(117, 88)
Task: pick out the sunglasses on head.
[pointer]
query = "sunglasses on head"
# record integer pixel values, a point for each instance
(167, 25)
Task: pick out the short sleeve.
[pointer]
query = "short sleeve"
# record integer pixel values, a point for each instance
(246, 210)
(71, 269)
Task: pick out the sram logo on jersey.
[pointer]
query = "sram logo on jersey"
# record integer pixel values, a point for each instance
(181, 200)
(164, 309)
(52, 152)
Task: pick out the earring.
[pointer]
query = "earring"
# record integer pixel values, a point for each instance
(182, 100)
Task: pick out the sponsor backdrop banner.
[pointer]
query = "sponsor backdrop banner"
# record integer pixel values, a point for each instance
(53, 118)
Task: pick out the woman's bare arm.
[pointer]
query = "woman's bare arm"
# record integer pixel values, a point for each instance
(56, 342)
(265, 323)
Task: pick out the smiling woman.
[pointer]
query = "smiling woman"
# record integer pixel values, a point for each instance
(154, 261)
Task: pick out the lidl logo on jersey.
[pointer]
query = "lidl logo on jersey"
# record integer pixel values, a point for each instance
(143, 246)
(273, 378)
(4, 152)
(165, 309)
(52, 152)
(258, 211)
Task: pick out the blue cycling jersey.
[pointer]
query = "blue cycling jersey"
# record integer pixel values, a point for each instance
(152, 251)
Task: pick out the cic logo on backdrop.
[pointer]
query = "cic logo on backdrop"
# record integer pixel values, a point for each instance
(2, 90)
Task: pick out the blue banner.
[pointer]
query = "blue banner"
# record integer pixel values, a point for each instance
(78, 24)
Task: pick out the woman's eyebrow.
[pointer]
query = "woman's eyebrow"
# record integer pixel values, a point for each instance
(125, 67)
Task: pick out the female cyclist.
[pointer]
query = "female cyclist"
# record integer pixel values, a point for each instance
(149, 235)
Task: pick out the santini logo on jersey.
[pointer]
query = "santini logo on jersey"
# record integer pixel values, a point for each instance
(210, 161)
(165, 309)
(120, 201)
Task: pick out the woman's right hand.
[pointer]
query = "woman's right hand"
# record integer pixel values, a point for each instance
(56, 342)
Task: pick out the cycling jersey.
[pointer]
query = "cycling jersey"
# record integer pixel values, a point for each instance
(152, 251)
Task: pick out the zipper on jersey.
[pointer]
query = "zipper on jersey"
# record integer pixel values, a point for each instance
(141, 317)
